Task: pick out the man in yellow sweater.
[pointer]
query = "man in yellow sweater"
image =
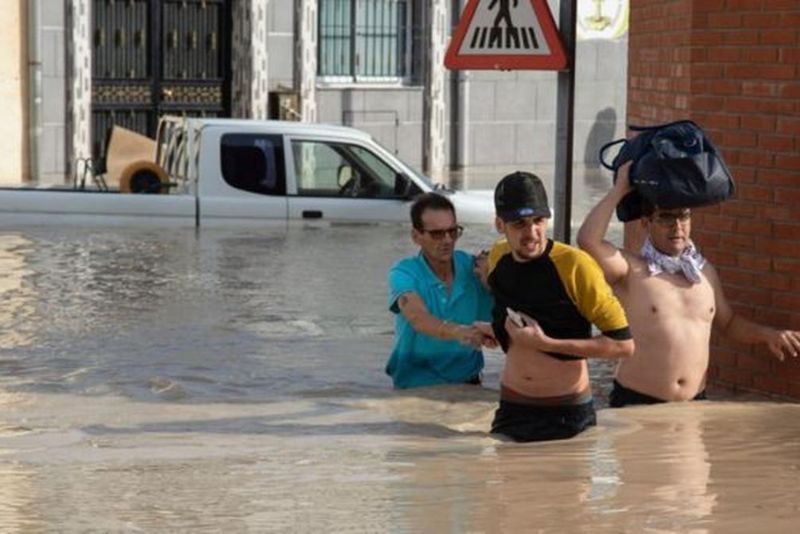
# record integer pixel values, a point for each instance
(559, 293)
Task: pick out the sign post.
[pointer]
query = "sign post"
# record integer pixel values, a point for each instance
(565, 125)
(521, 35)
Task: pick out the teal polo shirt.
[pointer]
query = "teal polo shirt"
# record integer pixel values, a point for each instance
(421, 360)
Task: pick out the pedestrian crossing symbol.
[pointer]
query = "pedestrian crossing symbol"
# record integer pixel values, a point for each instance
(506, 35)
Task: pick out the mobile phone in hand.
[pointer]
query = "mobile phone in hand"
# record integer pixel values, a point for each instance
(515, 317)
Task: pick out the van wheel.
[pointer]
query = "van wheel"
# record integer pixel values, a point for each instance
(143, 177)
(145, 182)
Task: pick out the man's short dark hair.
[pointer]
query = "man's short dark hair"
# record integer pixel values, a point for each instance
(429, 201)
(648, 208)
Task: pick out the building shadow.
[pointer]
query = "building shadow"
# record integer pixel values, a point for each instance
(596, 180)
(601, 132)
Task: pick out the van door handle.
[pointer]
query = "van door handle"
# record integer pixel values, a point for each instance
(312, 214)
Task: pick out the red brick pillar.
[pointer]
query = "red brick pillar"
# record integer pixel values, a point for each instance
(733, 67)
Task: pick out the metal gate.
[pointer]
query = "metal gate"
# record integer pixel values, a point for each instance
(155, 57)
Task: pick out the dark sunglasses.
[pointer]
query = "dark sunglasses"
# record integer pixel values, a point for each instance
(669, 219)
(454, 232)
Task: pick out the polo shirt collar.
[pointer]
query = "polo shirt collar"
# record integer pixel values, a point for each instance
(457, 286)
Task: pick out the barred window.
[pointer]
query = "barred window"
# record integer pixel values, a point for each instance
(364, 40)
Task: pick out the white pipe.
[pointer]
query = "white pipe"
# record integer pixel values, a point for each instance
(459, 95)
(35, 88)
(463, 123)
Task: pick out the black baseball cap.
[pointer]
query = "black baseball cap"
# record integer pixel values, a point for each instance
(520, 194)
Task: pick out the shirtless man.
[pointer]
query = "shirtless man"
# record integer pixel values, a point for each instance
(559, 291)
(672, 297)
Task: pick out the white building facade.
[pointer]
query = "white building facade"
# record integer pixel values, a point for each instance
(373, 64)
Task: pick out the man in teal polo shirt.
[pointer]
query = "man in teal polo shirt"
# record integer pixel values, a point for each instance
(436, 297)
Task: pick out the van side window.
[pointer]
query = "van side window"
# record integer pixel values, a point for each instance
(254, 163)
(326, 169)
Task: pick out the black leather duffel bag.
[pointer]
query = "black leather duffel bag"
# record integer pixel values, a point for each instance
(675, 165)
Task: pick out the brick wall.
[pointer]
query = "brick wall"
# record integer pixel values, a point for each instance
(733, 67)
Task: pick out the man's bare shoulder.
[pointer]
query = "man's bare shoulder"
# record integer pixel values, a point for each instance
(708, 267)
(710, 273)
(629, 256)
(638, 271)
(634, 261)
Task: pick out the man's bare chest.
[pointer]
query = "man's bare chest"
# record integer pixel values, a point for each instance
(670, 295)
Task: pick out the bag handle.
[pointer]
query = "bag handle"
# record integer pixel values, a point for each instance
(637, 128)
(603, 150)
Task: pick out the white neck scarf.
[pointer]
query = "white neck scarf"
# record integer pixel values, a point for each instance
(690, 262)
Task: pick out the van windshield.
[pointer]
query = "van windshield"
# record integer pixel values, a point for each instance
(424, 179)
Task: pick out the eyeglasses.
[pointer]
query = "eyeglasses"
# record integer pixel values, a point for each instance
(669, 219)
(454, 232)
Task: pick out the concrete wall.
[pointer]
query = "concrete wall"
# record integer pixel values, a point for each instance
(391, 115)
(13, 92)
(733, 67)
(510, 115)
(280, 40)
(53, 163)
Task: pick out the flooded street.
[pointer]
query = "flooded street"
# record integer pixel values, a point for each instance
(180, 380)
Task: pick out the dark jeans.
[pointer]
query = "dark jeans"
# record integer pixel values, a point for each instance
(527, 422)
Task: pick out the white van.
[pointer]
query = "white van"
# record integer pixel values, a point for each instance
(236, 171)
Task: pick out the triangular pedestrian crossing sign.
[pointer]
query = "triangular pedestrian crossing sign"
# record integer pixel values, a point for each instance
(506, 35)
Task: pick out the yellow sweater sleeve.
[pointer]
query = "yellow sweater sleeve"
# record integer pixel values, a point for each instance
(499, 249)
(587, 288)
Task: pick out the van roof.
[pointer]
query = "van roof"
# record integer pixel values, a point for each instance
(285, 127)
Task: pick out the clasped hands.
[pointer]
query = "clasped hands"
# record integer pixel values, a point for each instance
(478, 334)
(530, 335)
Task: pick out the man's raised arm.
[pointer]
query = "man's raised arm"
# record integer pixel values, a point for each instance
(591, 236)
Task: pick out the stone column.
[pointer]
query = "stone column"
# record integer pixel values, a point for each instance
(305, 59)
(79, 106)
(434, 142)
(250, 59)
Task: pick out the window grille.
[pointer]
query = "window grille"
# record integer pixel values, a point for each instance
(364, 40)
